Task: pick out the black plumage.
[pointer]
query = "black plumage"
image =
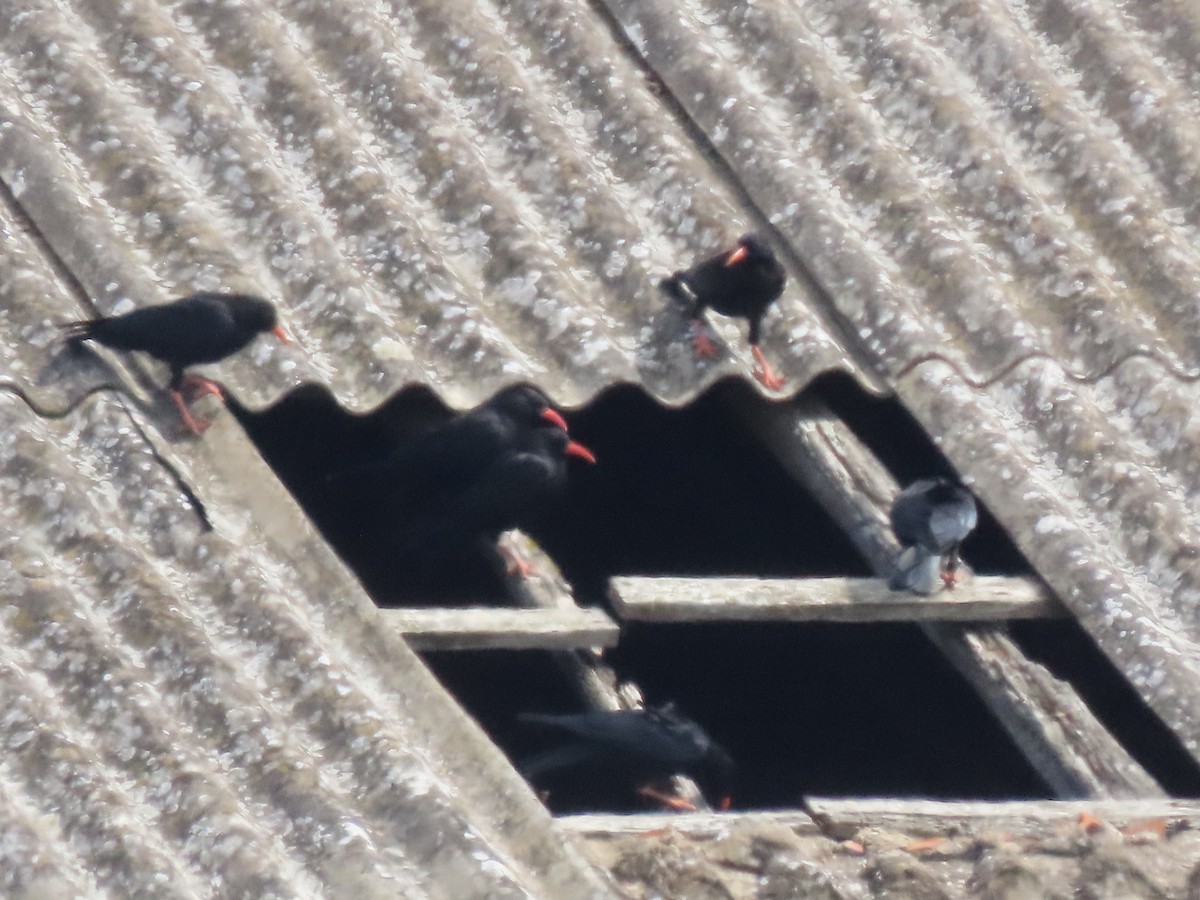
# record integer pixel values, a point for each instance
(743, 282)
(931, 518)
(639, 747)
(202, 328)
(438, 460)
(468, 512)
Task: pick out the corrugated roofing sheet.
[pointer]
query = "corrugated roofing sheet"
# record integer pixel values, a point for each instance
(991, 194)
(193, 712)
(465, 194)
(1002, 200)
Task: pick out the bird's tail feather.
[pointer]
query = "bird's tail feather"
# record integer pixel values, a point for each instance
(78, 331)
(674, 287)
(917, 570)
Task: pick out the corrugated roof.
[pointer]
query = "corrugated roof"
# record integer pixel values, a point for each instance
(193, 712)
(457, 193)
(1002, 201)
(991, 195)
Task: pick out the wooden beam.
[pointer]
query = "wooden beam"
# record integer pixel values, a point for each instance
(1047, 720)
(701, 824)
(981, 599)
(843, 819)
(486, 628)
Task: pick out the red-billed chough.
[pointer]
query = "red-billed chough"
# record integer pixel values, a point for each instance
(931, 518)
(640, 748)
(202, 328)
(418, 473)
(454, 450)
(741, 282)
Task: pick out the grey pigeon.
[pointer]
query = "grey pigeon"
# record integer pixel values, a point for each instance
(931, 518)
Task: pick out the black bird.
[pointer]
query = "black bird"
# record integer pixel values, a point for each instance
(440, 460)
(466, 513)
(202, 328)
(741, 282)
(931, 518)
(638, 747)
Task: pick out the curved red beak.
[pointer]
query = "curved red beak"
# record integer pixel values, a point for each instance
(737, 255)
(552, 416)
(576, 449)
(281, 334)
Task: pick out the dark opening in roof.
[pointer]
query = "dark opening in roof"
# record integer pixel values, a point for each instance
(831, 709)
(835, 710)
(675, 491)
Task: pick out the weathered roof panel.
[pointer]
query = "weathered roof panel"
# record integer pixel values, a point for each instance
(1002, 201)
(454, 193)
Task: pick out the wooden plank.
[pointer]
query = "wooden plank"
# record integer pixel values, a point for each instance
(928, 818)
(1047, 720)
(981, 599)
(486, 628)
(700, 824)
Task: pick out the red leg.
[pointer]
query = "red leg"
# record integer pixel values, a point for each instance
(670, 801)
(704, 344)
(950, 571)
(764, 373)
(197, 386)
(190, 422)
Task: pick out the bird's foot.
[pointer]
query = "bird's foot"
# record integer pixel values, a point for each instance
(705, 347)
(950, 579)
(764, 373)
(669, 801)
(197, 386)
(192, 424)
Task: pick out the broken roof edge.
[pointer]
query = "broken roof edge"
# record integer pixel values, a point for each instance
(462, 400)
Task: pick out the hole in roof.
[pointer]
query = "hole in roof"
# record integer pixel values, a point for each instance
(834, 709)
(676, 491)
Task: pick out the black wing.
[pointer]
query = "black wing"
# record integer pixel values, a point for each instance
(638, 735)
